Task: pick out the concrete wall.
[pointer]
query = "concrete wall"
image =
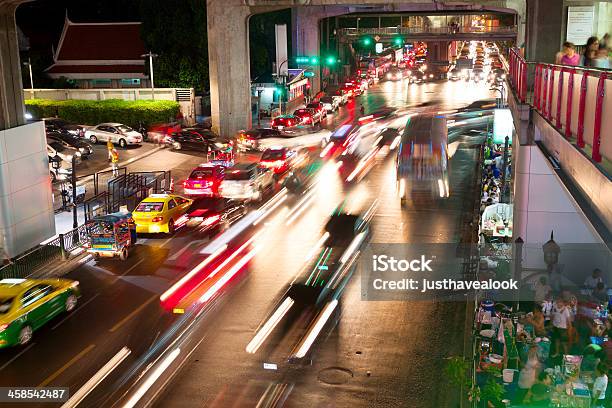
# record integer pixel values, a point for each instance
(26, 206)
(11, 98)
(594, 184)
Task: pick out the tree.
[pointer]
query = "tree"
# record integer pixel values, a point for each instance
(176, 31)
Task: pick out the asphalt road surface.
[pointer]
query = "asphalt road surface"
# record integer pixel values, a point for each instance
(376, 354)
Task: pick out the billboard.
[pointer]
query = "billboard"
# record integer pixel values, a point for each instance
(503, 126)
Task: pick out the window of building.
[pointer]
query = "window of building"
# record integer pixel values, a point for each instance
(101, 83)
(130, 82)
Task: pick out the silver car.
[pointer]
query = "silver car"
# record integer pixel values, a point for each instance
(117, 133)
(246, 182)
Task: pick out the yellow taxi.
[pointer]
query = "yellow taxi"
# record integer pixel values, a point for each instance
(28, 304)
(161, 213)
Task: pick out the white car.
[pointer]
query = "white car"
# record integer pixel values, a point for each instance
(246, 181)
(66, 153)
(331, 103)
(116, 132)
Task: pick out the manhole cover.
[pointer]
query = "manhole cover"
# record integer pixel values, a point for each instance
(335, 375)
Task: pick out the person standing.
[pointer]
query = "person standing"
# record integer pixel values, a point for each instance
(569, 57)
(561, 321)
(599, 386)
(115, 161)
(590, 52)
(110, 147)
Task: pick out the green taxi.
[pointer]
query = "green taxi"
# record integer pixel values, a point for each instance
(28, 304)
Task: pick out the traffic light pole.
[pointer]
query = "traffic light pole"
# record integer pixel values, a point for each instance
(73, 179)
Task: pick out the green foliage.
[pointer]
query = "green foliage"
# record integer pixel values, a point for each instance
(176, 30)
(456, 371)
(492, 391)
(111, 110)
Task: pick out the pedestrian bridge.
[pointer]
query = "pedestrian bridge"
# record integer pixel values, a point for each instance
(563, 152)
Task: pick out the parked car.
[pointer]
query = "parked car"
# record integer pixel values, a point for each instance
(246, 181)
(318, 106)
(26, 305)
(192, 139)
(66, 153)
(204, 180)
(285, 121)
(331, 103)
(115, 132)
(308, 116)
(250, 139)
(69, 140)
(61, 124)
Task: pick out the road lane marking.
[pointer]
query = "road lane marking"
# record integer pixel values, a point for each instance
(134, 313)
(130, 269)
(97, 378)
(16, 356)
(65, 366)
(74, 311)
(165, 242)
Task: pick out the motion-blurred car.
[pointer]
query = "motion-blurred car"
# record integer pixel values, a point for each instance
(285, 121)
(279, 159)
(161, 133)
(250, 139)
(308, 116)
(497, 75)
(69, 140)
(331, 103)
(454, 75)
(115, 132)
(246, 181)
(61, 124)
(204, 180)
(161, 213)
(318, 107)
(478, 75)
(395, 75)
(214, 214)
(192, 139)
(64, 152)
(344, 94)
(28, 304)
(309, 301)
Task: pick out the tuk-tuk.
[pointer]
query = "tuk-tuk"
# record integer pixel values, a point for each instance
(111, 235)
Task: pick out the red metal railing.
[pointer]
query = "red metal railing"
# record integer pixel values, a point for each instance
(577, 101)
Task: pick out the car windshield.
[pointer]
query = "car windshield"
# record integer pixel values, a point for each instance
(57, 146)
(201, 174)
(150, 207)
(124, 128)
(272, 155)
(327, 99)
(237, 175)
(5, 305)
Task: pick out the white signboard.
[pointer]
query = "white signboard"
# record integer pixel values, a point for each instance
(579, 24)
(502, 126)
(379, 48)
(281, 49)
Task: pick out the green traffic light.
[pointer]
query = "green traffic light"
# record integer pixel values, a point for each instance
(330, 60)
(398, 41)
(367, 41)
(314, 60)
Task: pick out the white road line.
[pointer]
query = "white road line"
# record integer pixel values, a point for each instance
(165, 242)
(130, 269)
(75, 311)
(16, 356)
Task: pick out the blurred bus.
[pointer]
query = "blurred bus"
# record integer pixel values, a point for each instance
(422, 158)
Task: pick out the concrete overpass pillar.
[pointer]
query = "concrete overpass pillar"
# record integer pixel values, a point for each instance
(228, 58)
(544, 30)
(11, 89)
(305, 38)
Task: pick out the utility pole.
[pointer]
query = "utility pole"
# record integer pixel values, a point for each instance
(75, 223)
(151, 55)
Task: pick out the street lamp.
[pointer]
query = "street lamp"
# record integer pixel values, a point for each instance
(150, 55)
(29, 65)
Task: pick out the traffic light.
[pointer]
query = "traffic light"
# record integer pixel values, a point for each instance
(279, 90)
(398, 41)
(330, 60)
(367, 41)
(311, 60)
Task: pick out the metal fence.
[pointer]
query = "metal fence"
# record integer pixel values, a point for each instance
(577, 101)
(35, 261)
